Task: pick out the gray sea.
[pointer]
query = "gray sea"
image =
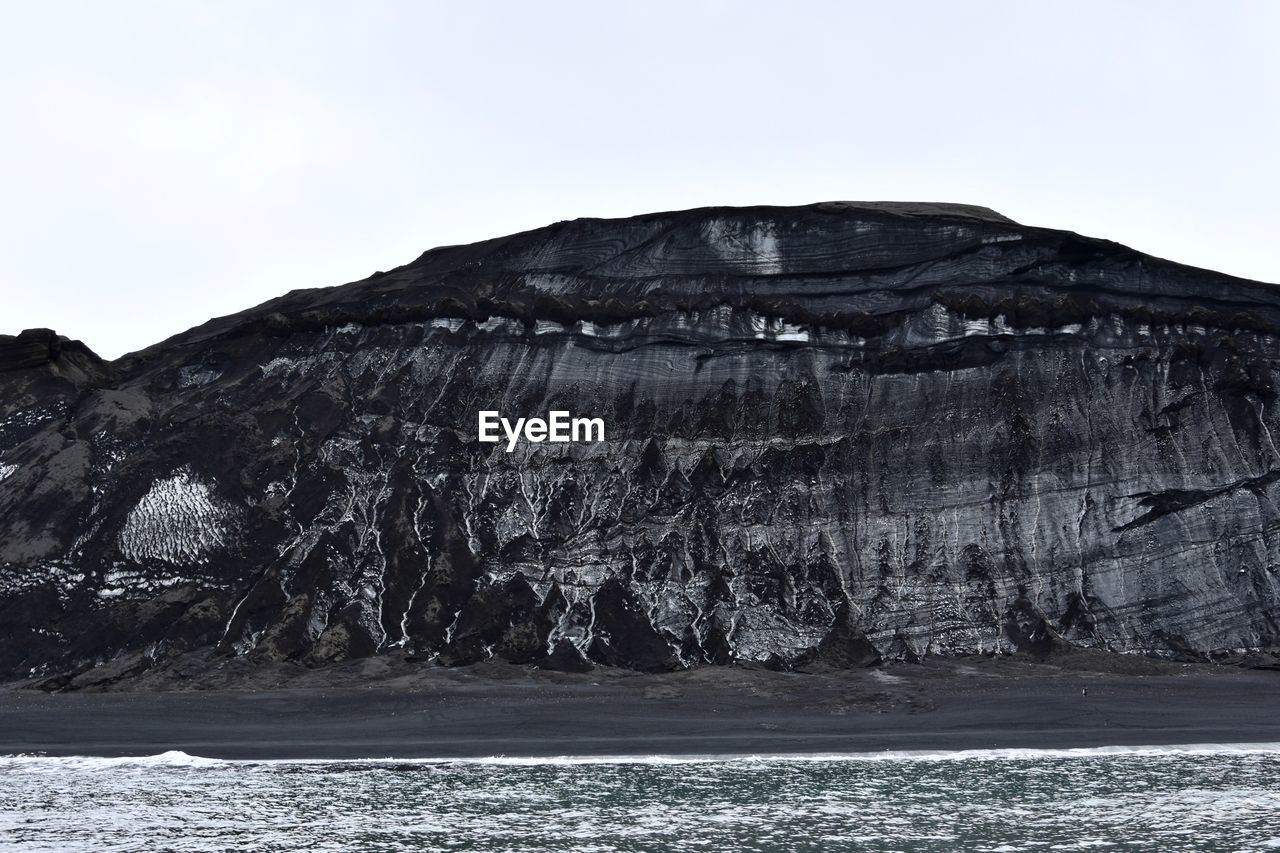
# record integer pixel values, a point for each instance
(1203, 797)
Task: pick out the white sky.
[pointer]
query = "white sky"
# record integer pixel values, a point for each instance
(162, 163)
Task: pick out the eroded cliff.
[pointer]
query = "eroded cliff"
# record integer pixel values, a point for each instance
(843, 431)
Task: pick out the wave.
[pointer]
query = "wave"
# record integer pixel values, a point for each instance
(179, 759)
(170, 758)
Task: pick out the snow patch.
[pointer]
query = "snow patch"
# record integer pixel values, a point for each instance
(278, 365)
(179, 520)
(194, 376)
(792, 333)
(503, 324)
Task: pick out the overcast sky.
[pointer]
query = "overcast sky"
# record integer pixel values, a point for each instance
(164, 163)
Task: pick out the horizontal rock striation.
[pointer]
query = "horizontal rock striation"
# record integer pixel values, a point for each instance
(843, 433)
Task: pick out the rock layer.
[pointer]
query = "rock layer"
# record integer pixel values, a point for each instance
(844, 432)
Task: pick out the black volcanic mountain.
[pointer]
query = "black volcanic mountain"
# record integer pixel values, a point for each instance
(844, 432)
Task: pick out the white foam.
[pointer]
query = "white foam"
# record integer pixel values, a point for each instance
(1012, 754)
(177, 758)
(171, 758)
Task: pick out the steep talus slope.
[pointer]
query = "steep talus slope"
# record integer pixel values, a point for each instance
(843, 430)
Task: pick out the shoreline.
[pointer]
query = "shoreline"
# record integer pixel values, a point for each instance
(402, 712)
(177, 758)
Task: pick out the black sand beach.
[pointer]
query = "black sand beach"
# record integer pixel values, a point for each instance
(381, 708)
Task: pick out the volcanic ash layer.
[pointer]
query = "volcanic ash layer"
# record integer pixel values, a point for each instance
(838, 433)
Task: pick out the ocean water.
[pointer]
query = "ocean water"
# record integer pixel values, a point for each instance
(1160, 799)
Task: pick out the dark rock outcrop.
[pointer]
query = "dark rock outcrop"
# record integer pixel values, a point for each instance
(846, 645)
(46, 352)
(838, 433)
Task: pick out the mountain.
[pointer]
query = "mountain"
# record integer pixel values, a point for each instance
(841, 433)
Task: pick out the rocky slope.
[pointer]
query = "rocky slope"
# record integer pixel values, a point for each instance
(844, 431)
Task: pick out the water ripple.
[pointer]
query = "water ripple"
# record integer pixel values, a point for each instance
(1155, 799)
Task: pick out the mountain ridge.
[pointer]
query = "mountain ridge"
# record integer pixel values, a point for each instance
(935, 210)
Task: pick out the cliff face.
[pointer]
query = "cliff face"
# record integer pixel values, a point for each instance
(843, 431)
